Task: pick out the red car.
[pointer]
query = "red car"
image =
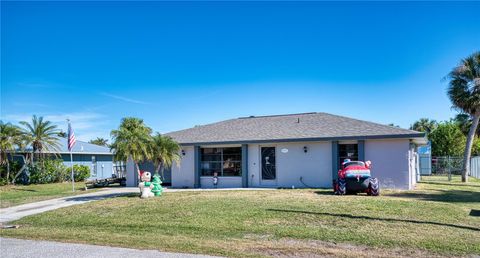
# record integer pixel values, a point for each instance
(354, 177)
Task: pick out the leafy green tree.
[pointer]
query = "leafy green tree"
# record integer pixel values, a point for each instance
(11, 138)
(42, 136)
(80, 173)
(447, 140)
(165, 152)
(424, 125)
(476, 147)
(99, 141)
(132, 140)
(464, 92)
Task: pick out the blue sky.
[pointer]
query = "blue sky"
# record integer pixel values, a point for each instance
(180, 64)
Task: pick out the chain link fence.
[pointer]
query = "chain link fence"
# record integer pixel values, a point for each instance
(449, 166)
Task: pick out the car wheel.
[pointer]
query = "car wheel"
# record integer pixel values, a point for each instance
(335, 187)
(342, 187)
(373, 187)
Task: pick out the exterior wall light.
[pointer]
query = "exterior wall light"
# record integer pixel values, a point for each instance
(305, 149)
(183, 152)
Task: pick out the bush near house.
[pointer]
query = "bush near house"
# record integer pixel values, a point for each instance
(80, 173)
(14, 167)
(47, 171)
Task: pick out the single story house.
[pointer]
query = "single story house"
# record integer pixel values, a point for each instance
(292, 151)
(98, 158)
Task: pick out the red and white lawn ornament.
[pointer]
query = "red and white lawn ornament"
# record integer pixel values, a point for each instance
(145, 185)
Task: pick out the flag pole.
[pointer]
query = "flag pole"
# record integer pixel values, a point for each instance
(73, 179)
(71, 156)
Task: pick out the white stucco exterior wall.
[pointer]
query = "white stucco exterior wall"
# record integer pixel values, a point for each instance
(183, 174)
(254, 165)
(390, 162)
(223, 182)
(314, 166)
(132, 173)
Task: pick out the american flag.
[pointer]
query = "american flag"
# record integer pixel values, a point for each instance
(71, 137)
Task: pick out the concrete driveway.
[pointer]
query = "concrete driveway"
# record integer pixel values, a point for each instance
(20, 211)
(19, 248)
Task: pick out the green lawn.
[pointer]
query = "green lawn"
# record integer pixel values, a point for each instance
(11, 195)
(435, 220)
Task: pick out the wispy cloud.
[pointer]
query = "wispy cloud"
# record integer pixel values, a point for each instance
(129, 100)
(87, 125)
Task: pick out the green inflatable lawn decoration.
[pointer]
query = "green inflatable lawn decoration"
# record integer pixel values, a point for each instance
(157, 185)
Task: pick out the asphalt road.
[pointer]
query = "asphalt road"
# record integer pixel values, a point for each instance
(18, 248)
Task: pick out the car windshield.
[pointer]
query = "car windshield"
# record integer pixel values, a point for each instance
(354, 163)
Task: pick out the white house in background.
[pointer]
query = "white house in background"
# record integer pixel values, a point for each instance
(294, 150)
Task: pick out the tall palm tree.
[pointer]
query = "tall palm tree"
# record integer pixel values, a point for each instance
(165, 152)
(42, 135)
(464, 121)
(424, 125)
(132, 140)
(11, 138)
(464, 92)
(99, 141)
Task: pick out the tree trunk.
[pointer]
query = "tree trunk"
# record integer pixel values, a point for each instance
(468, 148)
(138, 172)
(8, 171)
(158, 168)
(26, 159)
(162, 172)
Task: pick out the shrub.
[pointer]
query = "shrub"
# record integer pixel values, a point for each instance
(80, 172)
(14, 168)
(47, 171)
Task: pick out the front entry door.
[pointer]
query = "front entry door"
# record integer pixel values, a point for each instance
(269, 170)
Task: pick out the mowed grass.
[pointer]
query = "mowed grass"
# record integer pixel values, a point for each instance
(435, 220)
(11, 195)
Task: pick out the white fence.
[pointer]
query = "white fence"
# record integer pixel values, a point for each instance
(475, 167)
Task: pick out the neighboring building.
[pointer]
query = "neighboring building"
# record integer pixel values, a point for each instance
(98, 158)
(296, 150)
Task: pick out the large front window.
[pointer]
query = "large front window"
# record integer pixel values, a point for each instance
(347, 151)
(223, 161)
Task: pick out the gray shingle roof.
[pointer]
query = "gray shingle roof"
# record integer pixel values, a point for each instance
(292, 127)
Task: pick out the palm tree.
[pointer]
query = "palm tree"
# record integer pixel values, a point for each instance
(424, 125)
(11, 138)
(62, 134)
(464, 121)
(165, 152)
(42, 136)
(464, 92)
(132, 140)
(99, 141)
